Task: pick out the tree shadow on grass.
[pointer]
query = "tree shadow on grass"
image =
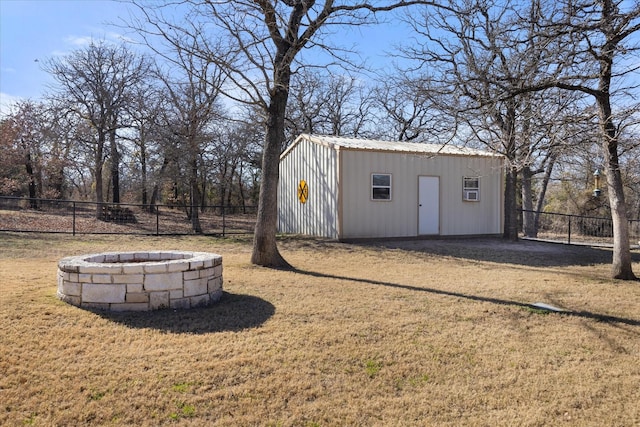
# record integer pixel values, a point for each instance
(233, 312)
(523, 252)
(528, 306)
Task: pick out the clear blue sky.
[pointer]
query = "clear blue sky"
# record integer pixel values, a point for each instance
(32, 31)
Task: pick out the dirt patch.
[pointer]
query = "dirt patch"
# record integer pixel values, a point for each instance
(522, 252)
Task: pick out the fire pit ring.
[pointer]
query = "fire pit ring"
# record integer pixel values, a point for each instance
(140, 281)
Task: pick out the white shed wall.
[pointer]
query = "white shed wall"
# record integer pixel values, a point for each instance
(363, 217)
(317, 165)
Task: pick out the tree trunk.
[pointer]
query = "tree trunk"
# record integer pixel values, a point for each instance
(143, 172)
(543, 191)
(153, 200)
(241, 191)
(621, 265)
(222, 192)
(202, 190)
(510, 205)
(57, 182)
(265, 249)
(33, 187)
(194, 198)
(229, 181)
(99, 162)
(507, 123)
(531, 214)
(115, 166)
(528, 217)
(156, 186)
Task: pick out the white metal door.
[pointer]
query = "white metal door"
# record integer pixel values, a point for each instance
(428, 205)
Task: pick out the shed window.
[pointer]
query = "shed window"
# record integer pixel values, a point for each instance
(471, 189)
(380, 186)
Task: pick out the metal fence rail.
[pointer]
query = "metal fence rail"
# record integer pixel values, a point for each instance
(580, 229)
(19, 214)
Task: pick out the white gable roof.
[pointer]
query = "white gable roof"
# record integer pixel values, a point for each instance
(338, 142)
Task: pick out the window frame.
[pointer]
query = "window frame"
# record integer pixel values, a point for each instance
(467, 189)
(387, 187)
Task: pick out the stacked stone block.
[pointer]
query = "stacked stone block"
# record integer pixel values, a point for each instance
(141, 281)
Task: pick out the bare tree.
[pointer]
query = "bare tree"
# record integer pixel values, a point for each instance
(329, 104)
(26, 138)
(143, 114)
(305, 107)
(20, 148)
(553, 124)
(346, 106)
(232, 162)
(82, 139)
(575, 46)
(59, 136)
(407, 111)
(593, 38)
(36, 151)
(613, 26)
(96, 82)
(12, 174)
(264, 39)
(193, 88)
(474, 53)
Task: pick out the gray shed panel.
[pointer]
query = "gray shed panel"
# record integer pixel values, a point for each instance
(317, 166)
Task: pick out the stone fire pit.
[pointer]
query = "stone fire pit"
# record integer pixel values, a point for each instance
(140, 281)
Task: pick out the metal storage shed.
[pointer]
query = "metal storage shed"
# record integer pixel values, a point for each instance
(347, 188)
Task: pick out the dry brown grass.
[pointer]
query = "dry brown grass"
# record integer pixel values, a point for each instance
(414, 333)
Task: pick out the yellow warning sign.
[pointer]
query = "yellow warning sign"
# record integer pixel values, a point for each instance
(303, 191)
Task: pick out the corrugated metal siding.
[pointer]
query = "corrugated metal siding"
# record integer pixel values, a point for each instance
(317, 165)
(363, 217)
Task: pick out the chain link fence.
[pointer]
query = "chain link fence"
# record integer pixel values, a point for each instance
(19, 214)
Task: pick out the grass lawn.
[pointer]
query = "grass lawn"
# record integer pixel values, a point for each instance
(407, 333)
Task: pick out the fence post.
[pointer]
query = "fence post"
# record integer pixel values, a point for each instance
(74, 218)
(569, 234)
(157, 220)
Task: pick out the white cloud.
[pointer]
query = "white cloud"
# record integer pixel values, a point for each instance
(59, 53)
(99, 36)
(80, 41)
(119, 37)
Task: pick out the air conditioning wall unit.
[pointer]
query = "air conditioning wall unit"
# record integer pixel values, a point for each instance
(471, 196)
